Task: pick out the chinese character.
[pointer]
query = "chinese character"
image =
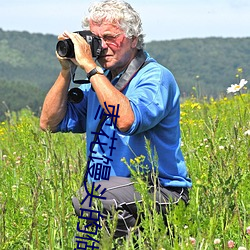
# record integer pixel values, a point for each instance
(91, 195)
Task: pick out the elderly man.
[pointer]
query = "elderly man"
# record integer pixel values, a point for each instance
(144, 99)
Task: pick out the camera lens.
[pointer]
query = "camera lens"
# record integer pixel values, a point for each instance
(75, 95)
(65, 48)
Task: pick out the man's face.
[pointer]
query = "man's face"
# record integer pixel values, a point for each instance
(118, 50)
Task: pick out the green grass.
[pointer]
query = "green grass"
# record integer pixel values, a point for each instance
(40, 172)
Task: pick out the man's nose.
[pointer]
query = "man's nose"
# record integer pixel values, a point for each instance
(104, 44)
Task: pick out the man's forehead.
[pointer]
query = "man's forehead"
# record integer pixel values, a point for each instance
(104, 25)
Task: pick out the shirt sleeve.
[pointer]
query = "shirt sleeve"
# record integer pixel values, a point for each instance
(152, 98)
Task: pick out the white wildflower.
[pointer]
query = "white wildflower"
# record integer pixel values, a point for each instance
(242, 248)
(217, 241)
(247, 133)
(22, 210)
(236, 87)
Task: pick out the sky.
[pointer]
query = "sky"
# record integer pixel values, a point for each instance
(162, 19)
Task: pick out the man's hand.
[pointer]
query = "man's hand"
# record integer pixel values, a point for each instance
(66, 63)
(83, 54)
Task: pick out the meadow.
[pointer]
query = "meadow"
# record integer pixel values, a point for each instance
(40, 172)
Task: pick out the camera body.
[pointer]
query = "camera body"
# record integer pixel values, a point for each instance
(65, 48)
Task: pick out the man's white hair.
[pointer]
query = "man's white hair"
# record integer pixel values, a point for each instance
(120, 13)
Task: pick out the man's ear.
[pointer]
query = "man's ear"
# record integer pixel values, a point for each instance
(134, 42)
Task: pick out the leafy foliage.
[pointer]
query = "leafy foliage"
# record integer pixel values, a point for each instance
(28, 68)
(40, 172)
(28, 57)
(14, 95)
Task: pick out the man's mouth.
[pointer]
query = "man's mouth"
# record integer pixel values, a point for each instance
(103, 56)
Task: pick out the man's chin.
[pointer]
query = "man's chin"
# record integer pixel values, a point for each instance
(105, 63)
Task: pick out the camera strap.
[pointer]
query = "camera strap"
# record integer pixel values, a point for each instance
(136, 64)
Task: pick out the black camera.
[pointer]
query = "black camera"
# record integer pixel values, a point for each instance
(65, 48)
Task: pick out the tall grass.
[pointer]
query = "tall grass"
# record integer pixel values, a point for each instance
(40, 172)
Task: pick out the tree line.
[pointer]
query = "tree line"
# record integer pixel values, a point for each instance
(202, 67)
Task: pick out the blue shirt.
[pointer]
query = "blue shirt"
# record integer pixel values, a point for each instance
(154, 97)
